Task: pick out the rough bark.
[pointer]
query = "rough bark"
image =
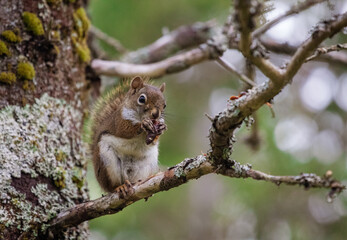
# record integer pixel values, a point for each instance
(43, 91)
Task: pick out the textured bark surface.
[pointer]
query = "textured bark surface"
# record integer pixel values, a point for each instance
(43, 89)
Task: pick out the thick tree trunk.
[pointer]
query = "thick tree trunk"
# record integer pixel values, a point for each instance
(43, 92)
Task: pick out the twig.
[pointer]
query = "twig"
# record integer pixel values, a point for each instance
(325, 29)
(170, 65)
(285, 48)
(181, 38)
(294, 10)
(108, 39)
(191, 168)
(276, 47)
(324, 50)
(233, 70)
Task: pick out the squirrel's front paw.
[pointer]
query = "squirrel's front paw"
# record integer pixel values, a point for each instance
(148, 125)
(161, 127)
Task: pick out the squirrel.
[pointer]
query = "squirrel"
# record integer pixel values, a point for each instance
(126, 125)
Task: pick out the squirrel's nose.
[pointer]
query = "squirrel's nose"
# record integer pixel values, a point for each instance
(155, 113)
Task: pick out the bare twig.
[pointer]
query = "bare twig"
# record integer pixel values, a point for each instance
(170, 65)
(191, 168)
(294, 10)
(324, 30)
(285, 48)
(108, 39)
(232, 69)
(181, 38)
(276, 47)
(324, 50)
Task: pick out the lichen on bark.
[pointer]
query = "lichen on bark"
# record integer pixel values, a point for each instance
(40, 150)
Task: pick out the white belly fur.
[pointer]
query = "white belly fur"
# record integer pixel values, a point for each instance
(128, 159)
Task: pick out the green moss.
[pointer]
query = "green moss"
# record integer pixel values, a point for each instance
(82, 22)
(8, 77)
(28, 85)
(59, 176)
(3, 49)
(82, 51)
(33, 23)
(77, 177)
(10, 36)
(78, 36)
(25, 70)
(60, 156)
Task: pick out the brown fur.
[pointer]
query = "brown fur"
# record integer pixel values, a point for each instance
(107, 118)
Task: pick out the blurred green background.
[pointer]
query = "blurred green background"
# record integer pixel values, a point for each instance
(303, 137)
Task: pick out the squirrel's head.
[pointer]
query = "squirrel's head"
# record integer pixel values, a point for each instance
(148, 101)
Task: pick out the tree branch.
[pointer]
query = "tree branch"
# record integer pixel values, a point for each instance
(108, 39)
(293, 10)
(324, 50)
(285, 48)
(170, 65)
(233, 70)
(181, 38)
(191, 168)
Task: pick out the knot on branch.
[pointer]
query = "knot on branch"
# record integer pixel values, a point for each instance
(258, 50)
(216, 46)
(204, 30)
(241, 171)
(224, 124)
(234, 169)
(177, 175)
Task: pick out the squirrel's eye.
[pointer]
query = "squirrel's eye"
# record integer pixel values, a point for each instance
(142, 99)
(164, 106)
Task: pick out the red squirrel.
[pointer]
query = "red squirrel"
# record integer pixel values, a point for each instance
(126, 125)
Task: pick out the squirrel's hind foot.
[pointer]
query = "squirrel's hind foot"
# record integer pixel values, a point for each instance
(124, 191)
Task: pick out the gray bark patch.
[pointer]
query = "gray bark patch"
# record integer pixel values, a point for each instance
(42, 163)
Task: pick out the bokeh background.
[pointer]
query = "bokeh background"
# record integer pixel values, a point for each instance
(308, 134)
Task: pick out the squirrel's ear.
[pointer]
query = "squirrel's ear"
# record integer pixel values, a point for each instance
(136, 83)
(162, 87)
